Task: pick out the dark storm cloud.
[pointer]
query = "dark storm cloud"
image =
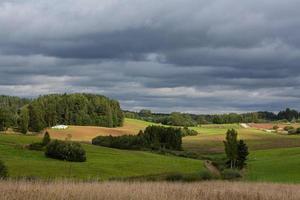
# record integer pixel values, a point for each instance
(191, 56)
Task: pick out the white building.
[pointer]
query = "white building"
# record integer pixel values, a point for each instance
(60, 127)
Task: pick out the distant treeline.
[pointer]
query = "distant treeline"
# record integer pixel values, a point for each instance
(184, 119)
(49, 110)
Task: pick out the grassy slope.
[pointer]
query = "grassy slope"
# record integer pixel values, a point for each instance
(278, 162)
(101, 162)
(87, 133)
(274, 165)
(210, 139)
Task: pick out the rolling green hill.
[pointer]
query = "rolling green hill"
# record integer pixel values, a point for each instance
(274, 165)
(102, 163)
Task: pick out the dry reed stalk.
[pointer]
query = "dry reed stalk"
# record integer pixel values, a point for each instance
(213, 190)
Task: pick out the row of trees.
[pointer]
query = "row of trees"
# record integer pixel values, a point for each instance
(50, 110)
(154, 137)
(183, 119)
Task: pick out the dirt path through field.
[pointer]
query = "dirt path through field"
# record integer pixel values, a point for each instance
(215, 171)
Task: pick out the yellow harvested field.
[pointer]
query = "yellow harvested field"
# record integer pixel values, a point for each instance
(87, 133)
(210, 190)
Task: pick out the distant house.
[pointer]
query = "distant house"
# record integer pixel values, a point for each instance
(60, 127)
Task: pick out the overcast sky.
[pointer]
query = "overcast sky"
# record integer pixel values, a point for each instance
(211, 56)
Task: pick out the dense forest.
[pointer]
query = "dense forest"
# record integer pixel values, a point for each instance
(184, 119)
(49, 110)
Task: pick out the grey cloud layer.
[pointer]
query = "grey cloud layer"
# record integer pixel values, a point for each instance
(195, 56)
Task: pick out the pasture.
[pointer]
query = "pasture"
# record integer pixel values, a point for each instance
(274, 165)
(102, 163)
(210, 139)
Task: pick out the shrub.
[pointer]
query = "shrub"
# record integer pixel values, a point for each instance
(298, 130)
(46, 138)
(37, 146)
(230, 174)
(292, 131)
(287, 128)
(3, 170)
(188, 132)
(62, 150)
(174, 177)
(275, 127)
(206, 175)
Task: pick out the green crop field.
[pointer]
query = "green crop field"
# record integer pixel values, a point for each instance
(102, 163)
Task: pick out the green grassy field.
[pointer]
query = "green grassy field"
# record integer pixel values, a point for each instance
(210, 139)
(102, 163)
(274, 165)
(273, 157)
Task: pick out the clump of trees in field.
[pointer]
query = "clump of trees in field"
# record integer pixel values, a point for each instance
(65, 150)
(49, 110)
(154, 137)
(236, 150)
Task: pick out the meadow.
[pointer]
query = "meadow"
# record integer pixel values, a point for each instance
(102, 163)
(274, 165)
(210, 139)
(209, 190)
(274, 157)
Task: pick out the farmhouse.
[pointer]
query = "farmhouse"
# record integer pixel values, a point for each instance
(59, 127)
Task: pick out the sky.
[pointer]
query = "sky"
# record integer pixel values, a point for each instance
(196, 56)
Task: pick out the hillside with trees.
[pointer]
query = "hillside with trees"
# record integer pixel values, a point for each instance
(49, 110)
(186, 119)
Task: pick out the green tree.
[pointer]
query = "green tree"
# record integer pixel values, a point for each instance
(4, 119)
(24, 120)
(242, 153)
(36, 122)
(46, 139)
(231, 147)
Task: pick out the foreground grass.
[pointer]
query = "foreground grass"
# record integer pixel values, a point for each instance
(102, 163)
(10, 190)
(274, 165)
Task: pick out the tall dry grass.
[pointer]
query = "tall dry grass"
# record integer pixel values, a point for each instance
(216, 190)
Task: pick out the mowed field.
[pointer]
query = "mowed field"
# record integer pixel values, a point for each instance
(87, 133)
(102, 163)
(208, 190)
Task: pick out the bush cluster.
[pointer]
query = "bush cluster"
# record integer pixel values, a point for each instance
(36, 146)
(231, 174)
(39, 146)
(292, 130)
(188, 132)
(154, 137)
(120, 142)
(3, 170)
(62, 150)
